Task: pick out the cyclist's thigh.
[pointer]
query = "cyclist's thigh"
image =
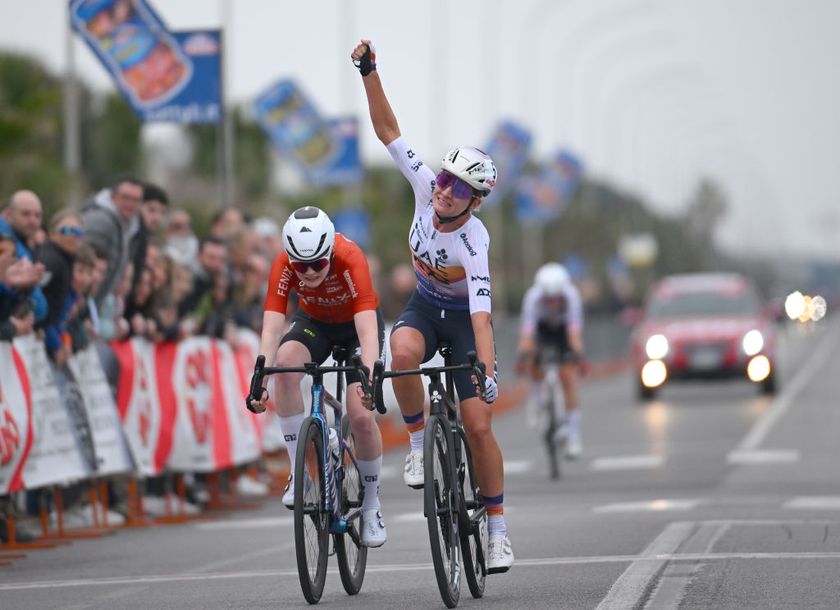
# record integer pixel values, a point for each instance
(414, 331)
(457, 329)
(311, 333)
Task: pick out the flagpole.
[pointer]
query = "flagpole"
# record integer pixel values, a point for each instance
(228, 194)
(72, 148)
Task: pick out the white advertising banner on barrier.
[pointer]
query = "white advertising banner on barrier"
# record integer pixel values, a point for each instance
(200, 442)
(15, 419)
(109, 443)
(55, 456)
(138, 403)
(247, 348)
(243, 426)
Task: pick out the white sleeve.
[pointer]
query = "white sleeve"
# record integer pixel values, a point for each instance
(575, 319)
(475, 246)
(421, 177)
(528, 315)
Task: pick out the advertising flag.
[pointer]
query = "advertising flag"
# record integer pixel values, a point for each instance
(509, 148)
(325, 151)
(163, 76)
(545, 196)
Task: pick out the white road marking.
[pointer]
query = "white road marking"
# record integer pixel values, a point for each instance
(627, 462)
(763, 456)
(631, 586)
(520, 563)
(814, 503)
(389, 472)
(247, 524)
(408, 517)
(660, 505)
(517, 466)
(758, 433)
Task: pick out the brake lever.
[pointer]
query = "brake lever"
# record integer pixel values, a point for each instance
(364, 374)
(479, 369)
(257, 389)
(378, 378)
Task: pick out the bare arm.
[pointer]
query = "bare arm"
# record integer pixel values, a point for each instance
(273, 325)
(483, 331)
(381, 115)
(368, 331)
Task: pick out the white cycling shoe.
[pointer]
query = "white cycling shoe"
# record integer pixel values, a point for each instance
(414, 473)
(373, 528)
(499, 554)
(574, 446)
(289, 493)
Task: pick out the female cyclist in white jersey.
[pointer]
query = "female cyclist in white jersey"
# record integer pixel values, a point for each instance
(452, 302)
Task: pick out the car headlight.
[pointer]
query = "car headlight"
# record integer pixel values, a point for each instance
(656, 347)
(752, 342)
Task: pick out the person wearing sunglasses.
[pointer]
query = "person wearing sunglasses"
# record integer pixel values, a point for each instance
(57, 253)
(452, 300)
(337, 307)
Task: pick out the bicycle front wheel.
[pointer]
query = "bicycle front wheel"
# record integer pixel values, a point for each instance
(440, 508)
(352, 556)
(473, 530)
(311, 520)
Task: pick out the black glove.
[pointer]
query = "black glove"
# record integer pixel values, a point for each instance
(367, 63)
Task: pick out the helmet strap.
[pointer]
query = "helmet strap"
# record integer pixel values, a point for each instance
(447, 219)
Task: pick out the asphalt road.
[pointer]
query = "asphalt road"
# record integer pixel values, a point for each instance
(712, 496)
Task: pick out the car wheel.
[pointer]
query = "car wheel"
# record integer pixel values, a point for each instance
(769, 386)
(645, 393)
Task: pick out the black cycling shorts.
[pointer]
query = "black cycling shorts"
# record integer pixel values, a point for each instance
(320, 338)
(436, 325)
(553, 343)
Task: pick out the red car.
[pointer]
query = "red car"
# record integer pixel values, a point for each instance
(704, 326)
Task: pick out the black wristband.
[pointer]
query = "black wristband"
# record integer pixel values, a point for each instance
(367, 63)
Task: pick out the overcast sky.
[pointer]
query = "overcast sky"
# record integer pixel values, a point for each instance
(652, 94)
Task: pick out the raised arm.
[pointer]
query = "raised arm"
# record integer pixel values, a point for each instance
(381, 115)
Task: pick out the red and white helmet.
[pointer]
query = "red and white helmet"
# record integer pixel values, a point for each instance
(473, 166)
(308, 234)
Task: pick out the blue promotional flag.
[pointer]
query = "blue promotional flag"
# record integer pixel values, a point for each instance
(509, 148)
(545, 196)
(201, 99)
(353, 223)
(145, 60)
(326, 151)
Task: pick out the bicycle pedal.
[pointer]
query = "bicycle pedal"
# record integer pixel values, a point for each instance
(420, 486)
(498, 570)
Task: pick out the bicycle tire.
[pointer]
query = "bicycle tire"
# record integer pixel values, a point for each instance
(311, 520)
(351, 554)
(554, 446)
(440, 509)
(473, 531)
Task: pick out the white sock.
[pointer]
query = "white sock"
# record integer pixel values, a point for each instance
(369, 474)
(536, 392)
(496, 525)
(573, 420)
(416, 439)
(291, 427)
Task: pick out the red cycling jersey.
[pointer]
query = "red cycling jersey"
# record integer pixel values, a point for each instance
(345, 291)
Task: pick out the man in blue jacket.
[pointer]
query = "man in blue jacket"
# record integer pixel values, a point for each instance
(20, 220)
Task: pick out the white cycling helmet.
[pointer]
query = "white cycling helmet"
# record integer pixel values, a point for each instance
(552, 278)
(308, 234)
(473, 166)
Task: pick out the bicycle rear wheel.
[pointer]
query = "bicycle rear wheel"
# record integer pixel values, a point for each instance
(439, 506)
(473, 529)
(352, 556)
(311, 520)
(554, 442)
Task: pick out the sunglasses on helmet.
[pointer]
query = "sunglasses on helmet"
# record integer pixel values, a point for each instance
(74, 231)
(316, 265)
(460, 189)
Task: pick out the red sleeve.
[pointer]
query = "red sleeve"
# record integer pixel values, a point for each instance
(279, 285)
(359, 282)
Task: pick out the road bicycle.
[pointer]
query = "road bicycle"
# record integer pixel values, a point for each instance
(452, 501)
(328, 489)
(554, 435)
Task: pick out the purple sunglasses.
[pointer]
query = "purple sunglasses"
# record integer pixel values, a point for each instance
(460, 189)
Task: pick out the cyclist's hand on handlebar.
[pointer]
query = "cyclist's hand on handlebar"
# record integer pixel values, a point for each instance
(583, 366)
(491, 389)
(258, 406)
(367, 399)
(364, 57)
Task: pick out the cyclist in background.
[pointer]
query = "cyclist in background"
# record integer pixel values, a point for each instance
(552, 315)
(449, 247)
(337, 307)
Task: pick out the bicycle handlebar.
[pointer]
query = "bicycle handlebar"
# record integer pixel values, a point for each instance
(310, 368)
(473, 364)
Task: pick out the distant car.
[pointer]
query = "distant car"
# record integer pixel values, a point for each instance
(704, 326)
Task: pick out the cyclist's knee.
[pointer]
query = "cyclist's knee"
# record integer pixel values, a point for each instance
(362, 422)
(403, 357)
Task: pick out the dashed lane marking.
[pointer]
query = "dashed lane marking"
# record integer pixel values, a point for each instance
(763, 456)
(658, 505)
(627, 462)
(814, 503)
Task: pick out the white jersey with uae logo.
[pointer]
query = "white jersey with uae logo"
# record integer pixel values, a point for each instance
(452, 269)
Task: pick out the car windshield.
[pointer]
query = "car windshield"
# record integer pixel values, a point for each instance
(702, 304)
